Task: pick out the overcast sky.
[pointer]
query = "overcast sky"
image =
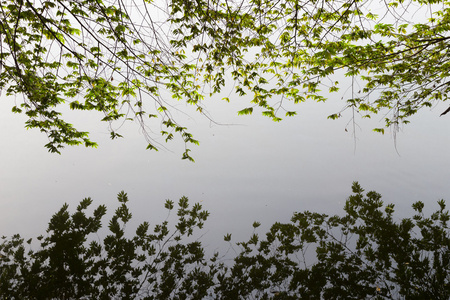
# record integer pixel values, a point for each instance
(253, 170)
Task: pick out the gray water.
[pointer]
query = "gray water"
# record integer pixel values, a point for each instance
(251, 170)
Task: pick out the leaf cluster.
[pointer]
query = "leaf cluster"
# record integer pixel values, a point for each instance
(131, 62)
(364, 254)
(73, 263)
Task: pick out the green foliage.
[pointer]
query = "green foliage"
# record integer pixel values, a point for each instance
(365, 254)
(129, 62)
(288, 49)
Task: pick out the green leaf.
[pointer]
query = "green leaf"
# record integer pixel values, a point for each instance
(246, 111)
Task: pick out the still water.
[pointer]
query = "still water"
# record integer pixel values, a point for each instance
(250, 170)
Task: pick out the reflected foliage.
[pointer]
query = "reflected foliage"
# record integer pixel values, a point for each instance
(365, 254)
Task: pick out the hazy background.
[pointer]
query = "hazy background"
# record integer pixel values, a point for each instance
(253, 170)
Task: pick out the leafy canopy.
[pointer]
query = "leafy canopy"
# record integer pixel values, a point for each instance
(132, 60)
(367, 253)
